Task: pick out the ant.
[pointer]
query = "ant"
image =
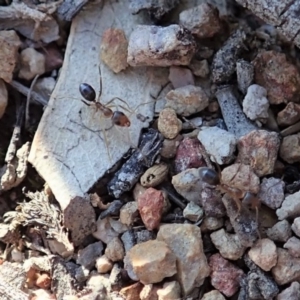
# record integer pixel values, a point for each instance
(212, 177)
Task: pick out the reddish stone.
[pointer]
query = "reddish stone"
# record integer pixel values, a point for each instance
(225, 276)
(132, 292)
(188, 155)
(151, 205)
(279, 77)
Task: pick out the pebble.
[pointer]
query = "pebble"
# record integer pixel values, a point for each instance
(168, 123)
(278, 76)
(180, 77)
(290, 207)
(243, 222)
(53, 57)
(87, 256)
(255, 103)
(296, 226)
(17, 255)
(211, 202)
(149, 292)
(289, 115)
(264, 254)
(200, 68)
(290, 148)
(113, 49)
(259, 149)
(107, 229)
(44, 86)
(188, 155)
(9, 46)
(293, 246)
(155, 175)
(3, 98)
(240, 177)
(138, 190)
(186, 243)
(228, 244)
(193, 212)
(132, 292)
(225, 276)
(144, 236)
(150, 206)
(287, 268)
(245, 74)
(169, 147)
(169, 291)
(211, 224)
(150, 262)
(189, 184)
(129, 213)
(129, 239)
(160, 46)
(272, 192)
(187, 100)
(32, 63)
(115, 277)
(103, 264)
(218, 143)
(115, 250)
(290, 293)
(213, 295)
(202, 20)
(280, 232)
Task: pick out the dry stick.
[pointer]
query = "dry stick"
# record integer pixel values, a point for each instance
(28, 101)
(25, 90)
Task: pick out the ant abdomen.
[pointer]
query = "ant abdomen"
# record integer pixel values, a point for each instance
(87, 92)
(209, 176)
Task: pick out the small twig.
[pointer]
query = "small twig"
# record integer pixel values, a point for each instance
(28, 101)
(25, 91)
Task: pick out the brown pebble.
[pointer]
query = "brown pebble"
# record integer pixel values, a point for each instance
(168, 123)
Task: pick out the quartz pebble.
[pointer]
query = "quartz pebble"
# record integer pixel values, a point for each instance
(255, 103)
(225, 276)
(218, 143)
(290, 148)
(200, 68)
(160, 46)
(115, 250)
(113, 49)
(186, 243)
(289, 115)
(193, 212)
(3, 98)
(168, 123)
(103, 264)
(245, 74)
(129, 213)
(187, 100)
(228, 244)
(290, 207)
(202, 20)
(150, 262)
(108, 228)
(180, 77)
(149, 292)
(151, 205)
(293, 246)
(291, 293)
(211, 224)
(169, 291)
(188, 155)
(280, 232)
(264, 254)
(287, 268)
(296, 226)
(213, 295)
(271, 192)
(87, 257)
(259, 149)
(32, 63)
(279, 77)
(9, 46)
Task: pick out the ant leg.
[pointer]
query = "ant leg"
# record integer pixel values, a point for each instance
(256, 218)
(100, 84)
(106, 145)
(87, 104)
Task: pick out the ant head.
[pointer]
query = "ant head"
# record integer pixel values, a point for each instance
(209, 176)
(120, 119)
(87, 92)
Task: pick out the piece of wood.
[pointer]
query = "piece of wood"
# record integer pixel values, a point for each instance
(74, 146)
(283, 14)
